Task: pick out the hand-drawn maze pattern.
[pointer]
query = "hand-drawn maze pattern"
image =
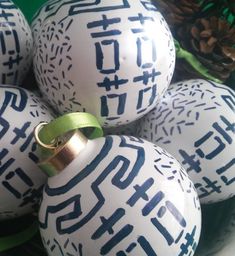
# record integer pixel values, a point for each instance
(111, 230)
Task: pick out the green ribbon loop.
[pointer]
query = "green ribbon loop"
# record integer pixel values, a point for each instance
(68, 122)
(11, 241)
(192, 60)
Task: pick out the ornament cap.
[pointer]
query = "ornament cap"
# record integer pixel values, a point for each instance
(64, 154)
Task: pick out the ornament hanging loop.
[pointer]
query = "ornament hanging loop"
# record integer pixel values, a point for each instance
(37, 129)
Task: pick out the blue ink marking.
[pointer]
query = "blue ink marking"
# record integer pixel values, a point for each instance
(140, 51)
(141, 97)
(76, 6)
(152, 203)
(107, 83)
(116, 239)
(137, 30)
(146, 76)
(146, 246)
(174, 211)
(120, 106)
(83, 173)
(209, 185)
(140, 192)
(141, 18)
(75, 200)
(116, 181)
(161, 211)
(11, 100)
(27, 142)
(60, 249)
(222, 132)
(120, 253)
(24, 177)
(100, 56)
(189, 242)
(6, 4)
(163, 231)
(230, 126)
(114, 32)
(229, 100)
(11, 189)
(7, 164)
(215, 152)
(75, 9)
(104, 23)
(225, 169)
(131, 247)
(20, 133)
(107, 224)
(190, 160)
(80, 250)
(4, 124)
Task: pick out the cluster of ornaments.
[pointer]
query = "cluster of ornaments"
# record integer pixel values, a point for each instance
(137, 192)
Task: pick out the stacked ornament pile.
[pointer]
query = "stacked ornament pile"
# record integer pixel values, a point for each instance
(168, 146)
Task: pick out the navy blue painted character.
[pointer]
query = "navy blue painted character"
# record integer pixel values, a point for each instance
(167, 208)
(5, 161)
(115, 102)
(221, 136)
(190, 246)
(13, 53)
(224, 130)
(229, 100)
(208, 187)
(147, 94)
(27, 194)
(227, 170)
(146, 58)
(190, 162)
(21, 135)
(107, 226)
(105, 28)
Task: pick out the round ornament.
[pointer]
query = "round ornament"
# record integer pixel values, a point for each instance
(111, 59)
(16, 44)
(21, 181)
(194, 121)
(118, 195)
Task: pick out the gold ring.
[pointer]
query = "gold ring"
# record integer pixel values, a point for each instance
(36, 136)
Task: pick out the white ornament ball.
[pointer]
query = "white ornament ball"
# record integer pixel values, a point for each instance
(195, 122)
(120, 195)
(112, 59)
(21, 180)
(16, 44)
